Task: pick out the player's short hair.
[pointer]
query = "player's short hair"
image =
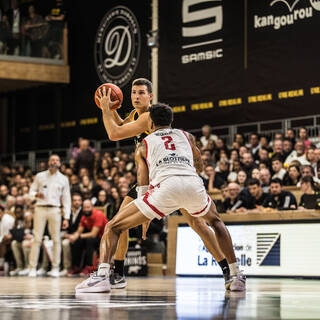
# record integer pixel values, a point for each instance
(143, 82)
(161, 114)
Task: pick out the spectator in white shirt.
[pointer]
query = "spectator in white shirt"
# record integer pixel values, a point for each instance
(297, 154)
(51, 191)
(207, 136)
(6, 223)
(278, 171)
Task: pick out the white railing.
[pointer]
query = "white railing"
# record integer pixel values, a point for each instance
(268, 128)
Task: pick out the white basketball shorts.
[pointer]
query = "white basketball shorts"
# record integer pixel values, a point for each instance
(176, 192)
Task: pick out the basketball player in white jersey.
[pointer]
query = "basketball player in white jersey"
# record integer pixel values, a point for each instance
(136, 125)
(166, 162)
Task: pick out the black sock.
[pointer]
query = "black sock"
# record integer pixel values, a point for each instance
(224, 266)
(119, 267)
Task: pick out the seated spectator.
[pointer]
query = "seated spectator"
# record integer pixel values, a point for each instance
(277, 147)
(225, 194)
(242, 179)
(86, 186)
(239, 138)
(248, 163)
(277, 168)
(236, 200)
(75, 217)
(312, 157)
(303, 135)
(74, 184)
(297, 154)
(11, 202)
(222, 170)
(292, 177)
(6, 223)
(85, 158)
(221, 148)
(254, 145)
(278, 198)
(17, 235)
(4, 192)
(287, 147)
(105, 200)
(311, 196)
(257, 195)
(255, 174)
(307, 170)
(264, 143)
(265, 178)
(242, 151)
(208, 139)
(211, 181)
(87, 237)
(290, 134)
(263, 156)
(235, 167)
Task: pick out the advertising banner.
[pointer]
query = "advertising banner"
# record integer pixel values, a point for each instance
(223, 62)
(261, 250)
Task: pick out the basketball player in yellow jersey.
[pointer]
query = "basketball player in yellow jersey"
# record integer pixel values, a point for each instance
(136, 125)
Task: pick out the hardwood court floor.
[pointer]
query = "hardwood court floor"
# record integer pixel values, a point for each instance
(159, 298)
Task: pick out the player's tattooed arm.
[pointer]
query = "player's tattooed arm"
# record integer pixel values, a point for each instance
(197, 160)
(141, 165)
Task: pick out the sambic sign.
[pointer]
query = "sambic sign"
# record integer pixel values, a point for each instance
(293, 15)
(261, 250)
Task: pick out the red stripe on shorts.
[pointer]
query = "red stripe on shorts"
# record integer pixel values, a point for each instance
(202, 209)
(145, 199)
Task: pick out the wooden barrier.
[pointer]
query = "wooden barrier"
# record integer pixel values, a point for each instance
(174, 221)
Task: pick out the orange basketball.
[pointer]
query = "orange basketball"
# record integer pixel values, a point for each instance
(116, 94)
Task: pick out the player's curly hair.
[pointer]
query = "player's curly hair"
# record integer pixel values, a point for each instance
(161, 114)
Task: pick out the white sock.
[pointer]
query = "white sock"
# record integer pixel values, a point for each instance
(234, 269)
(1, 262)
(103, 269)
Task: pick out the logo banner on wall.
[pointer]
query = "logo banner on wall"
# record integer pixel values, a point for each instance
(236, 62)
(117, 46)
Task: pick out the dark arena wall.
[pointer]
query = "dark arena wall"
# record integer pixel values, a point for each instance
(219, 63)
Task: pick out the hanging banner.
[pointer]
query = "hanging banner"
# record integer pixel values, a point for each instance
(237, 62)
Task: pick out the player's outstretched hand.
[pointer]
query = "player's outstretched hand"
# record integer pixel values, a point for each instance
(105, 99)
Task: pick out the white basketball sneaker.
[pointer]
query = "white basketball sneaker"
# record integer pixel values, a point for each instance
(32, 273)
(94, 283)
(54, 273)
(238, 282)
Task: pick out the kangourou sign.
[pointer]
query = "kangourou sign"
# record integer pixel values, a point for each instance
(243, 61)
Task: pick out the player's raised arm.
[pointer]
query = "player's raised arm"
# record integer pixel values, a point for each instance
(114, 130)
(197, 160)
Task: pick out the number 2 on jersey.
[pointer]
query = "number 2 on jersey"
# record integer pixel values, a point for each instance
(168, 139)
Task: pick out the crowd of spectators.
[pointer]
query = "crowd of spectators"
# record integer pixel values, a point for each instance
(26, 32)
(249, 175)
(254, 174)
(103, 178)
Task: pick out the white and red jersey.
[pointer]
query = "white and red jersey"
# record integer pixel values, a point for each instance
(168, 153)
